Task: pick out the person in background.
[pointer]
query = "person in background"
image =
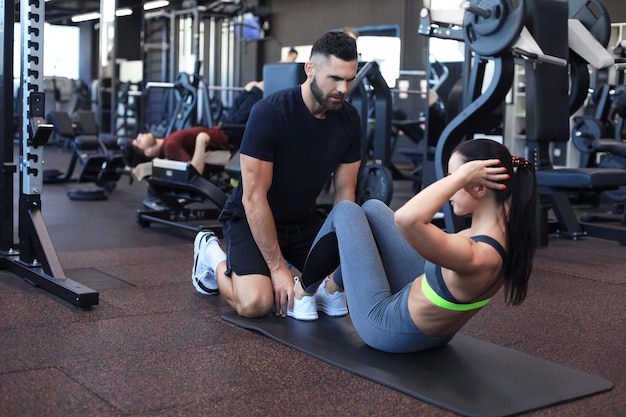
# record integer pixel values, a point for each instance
(292, 56)
(351, 32)
(192, 144)
(411, 285)
(295, 141)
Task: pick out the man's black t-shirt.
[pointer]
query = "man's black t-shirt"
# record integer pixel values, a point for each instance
(305, 152)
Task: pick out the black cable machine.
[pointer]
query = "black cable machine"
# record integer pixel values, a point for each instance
(488, 35)
(36, 259)
(371, 96)
(536, 32)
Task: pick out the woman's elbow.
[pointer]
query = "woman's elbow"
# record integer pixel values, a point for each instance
(402, 220)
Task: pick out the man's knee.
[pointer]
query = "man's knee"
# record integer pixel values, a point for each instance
(254, 295)
(253, 308)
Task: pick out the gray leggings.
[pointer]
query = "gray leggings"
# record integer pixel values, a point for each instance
(377, 269)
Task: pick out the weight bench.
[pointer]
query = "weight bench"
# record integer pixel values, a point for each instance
(97, 165)
(186, 197)
(548, 119)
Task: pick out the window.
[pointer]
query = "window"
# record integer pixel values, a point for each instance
(60, 51)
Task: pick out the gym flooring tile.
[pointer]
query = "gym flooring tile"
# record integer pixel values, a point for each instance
(153, 346)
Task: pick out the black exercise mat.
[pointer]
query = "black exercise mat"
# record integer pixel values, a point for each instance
(469, 376)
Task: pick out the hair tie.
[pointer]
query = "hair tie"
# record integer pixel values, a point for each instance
(518, 162)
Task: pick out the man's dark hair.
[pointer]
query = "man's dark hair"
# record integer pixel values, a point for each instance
(336, 44)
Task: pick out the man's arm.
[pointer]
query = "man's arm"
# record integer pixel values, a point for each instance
(345, 179)
(256, 177)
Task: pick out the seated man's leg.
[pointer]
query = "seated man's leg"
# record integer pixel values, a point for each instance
(244, 280)
(249, 295)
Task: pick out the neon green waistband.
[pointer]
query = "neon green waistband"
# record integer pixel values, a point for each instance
(437, 300)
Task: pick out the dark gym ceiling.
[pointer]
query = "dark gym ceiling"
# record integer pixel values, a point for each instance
(60, 12)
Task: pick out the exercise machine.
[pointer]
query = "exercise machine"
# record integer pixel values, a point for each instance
(215, 34)
(599, 138)
(186, 198)
(372, 98)
(537, 33)
(587, 39)
(489, 30)
(99, 163)
(33, 257)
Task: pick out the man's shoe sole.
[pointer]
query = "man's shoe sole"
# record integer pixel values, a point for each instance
(197, 284)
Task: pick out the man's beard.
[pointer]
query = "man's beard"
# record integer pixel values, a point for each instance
(324, 101)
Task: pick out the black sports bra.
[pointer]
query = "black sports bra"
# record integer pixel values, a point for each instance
(436, 287)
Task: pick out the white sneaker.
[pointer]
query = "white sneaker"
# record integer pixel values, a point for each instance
(304, 308)
(203, 276)
(334, 305)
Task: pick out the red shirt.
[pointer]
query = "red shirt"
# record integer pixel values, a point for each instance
(179, 146)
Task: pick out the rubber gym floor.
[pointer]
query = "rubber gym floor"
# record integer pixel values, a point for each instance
(153, 346)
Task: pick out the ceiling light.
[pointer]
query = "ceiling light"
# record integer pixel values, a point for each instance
(86, 16)
(95, 15)
(123, 12)
(155, 4)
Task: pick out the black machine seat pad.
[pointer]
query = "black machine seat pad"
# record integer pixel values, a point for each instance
(611, 146)
(87, 142)
(582, 178)
(198, 189)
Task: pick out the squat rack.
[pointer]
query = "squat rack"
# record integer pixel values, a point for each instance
(33, 257)
(208, 35)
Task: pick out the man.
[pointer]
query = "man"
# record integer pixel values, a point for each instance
(294, 141)
(292, 55)
(192, 144)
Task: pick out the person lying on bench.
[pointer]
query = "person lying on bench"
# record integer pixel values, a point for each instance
(187, 145)
(192, 144)
(410, 285)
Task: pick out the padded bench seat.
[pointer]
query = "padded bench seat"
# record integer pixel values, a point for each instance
(611, 146)
(554, 185)
(582, 178)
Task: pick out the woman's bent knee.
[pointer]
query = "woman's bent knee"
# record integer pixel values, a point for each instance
(374, 205)
(345, 205)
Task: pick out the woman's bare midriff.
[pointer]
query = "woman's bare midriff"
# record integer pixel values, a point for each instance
(433, 320)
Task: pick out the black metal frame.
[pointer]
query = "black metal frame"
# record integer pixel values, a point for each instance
(179, 211)
(36, 260)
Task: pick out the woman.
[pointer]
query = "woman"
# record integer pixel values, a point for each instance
(411, 286)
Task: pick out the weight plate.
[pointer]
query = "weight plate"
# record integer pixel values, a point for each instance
(586, 129)
(594, 16)
(578, 83)
(374, 182)
(488, 36)
(488, 25)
